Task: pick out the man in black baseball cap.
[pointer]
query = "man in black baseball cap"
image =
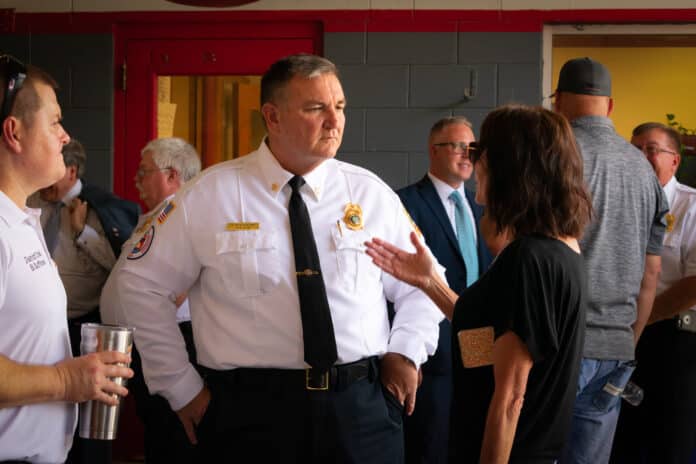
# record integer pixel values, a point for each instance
(584, 76)
(622, 255)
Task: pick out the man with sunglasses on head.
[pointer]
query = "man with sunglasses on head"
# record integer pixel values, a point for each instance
(666, 353)
(445, 212)
(42, 382)
(621, 247)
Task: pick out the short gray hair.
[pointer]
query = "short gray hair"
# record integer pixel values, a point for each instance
(282, 71)
(74, 155)
(173, 152)
(448, 121)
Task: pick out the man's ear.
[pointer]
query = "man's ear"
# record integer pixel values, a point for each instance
(11, 133)
(270, 115)
(72, 172)
(173, 175)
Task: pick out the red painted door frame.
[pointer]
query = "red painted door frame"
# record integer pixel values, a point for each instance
(187, 49)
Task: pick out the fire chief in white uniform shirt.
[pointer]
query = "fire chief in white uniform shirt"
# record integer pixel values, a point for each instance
(227, 237)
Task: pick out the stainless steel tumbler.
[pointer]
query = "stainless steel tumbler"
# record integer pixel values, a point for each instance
(99, 420)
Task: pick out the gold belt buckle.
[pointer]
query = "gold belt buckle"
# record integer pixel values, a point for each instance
(324, 381)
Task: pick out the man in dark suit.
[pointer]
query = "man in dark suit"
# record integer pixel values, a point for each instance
(450, 227)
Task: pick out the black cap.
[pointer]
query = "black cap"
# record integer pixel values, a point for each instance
(584, 76)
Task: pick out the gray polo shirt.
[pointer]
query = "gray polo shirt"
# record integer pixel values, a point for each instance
(629, 205)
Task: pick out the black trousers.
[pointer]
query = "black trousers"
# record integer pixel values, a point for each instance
(662, 429)
(273, 418)
(165, 438)
(86, 451)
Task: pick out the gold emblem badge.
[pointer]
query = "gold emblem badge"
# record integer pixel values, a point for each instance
(352, 216)
(669, 217)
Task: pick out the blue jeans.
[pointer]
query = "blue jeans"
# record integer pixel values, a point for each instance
(596, 410)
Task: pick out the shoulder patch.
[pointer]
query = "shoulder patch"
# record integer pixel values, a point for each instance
(142, 246)
(413, 224)
(164, 214)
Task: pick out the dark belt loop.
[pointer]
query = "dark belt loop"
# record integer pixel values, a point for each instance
(373, 374)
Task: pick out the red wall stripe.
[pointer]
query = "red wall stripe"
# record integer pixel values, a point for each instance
(358, 20)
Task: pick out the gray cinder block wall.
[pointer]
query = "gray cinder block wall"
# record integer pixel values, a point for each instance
(397, 84)
(83, 66)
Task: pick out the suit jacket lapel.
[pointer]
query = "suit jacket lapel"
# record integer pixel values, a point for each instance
(432, 199)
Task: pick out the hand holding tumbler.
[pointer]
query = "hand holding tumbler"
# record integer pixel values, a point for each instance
(99, 420)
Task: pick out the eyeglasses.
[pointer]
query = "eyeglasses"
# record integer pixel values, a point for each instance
(654, 149)
(142, 172)
(14, 72)
(459, 147)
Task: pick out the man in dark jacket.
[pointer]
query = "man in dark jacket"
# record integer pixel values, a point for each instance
(446, 214)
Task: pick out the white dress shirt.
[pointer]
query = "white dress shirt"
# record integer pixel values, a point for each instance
(34, 331)
(679, 247)
(84, 262)
(444, 191)
(110, 306)
(228, 240)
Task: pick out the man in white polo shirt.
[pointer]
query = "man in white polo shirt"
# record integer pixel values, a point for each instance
(41, 381)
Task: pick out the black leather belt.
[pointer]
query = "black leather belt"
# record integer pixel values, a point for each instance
(337, 378)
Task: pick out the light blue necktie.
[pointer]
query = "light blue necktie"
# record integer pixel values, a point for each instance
(465, 238)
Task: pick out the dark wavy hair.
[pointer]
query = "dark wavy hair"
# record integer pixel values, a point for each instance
(535, 173)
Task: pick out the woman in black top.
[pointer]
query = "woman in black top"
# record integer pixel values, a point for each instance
(518, 331)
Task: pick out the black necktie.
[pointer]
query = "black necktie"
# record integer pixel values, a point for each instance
(317, 327)
(52, 227)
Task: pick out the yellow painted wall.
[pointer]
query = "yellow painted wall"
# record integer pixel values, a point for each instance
(647, 83)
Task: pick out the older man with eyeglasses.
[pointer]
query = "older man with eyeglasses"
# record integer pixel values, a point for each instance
(449, 219)
(666, 353)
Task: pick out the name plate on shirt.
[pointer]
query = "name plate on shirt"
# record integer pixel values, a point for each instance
(242, 226)
(476, 346)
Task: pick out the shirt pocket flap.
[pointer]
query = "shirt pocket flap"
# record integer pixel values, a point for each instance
(350, 240)
(241, 241)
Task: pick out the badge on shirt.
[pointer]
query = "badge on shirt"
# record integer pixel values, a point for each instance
(352, 216)
(234, 226)
(164, 214)
(669, 217)
(143, 245)
(143, 227)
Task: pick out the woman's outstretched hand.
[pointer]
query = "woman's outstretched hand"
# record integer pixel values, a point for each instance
(413, 268)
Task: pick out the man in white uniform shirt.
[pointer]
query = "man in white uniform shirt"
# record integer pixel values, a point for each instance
(165, 165)
(41, 381)
(245, 237)
(666, 353)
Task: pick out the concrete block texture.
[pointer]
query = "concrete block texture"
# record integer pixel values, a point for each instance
(399, 130)
(345, 47)
(392, 168)
(354, 132)
(17, 45)
(499, 47)
(453, 86)
(412, 47)
(375, 86)
(418, 164)
(475, 117)
(519, 83)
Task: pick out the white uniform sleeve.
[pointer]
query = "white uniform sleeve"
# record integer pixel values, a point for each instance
(163, 263)
(415, 328)
(689, 241)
